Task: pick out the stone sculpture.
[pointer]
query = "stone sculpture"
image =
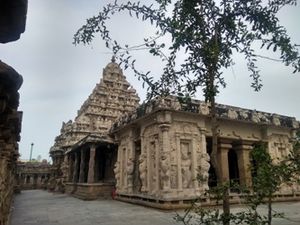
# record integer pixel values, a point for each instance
(143, 171)
(129, 170)
(164, 172)
(117, 174)
(185, 165)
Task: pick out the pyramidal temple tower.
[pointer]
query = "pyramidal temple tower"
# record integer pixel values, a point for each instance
(110, 99)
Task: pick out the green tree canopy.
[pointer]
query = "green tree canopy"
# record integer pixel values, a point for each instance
(208, 32)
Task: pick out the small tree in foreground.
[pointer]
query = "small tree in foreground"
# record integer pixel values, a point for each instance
(268, 178)
(208, 32)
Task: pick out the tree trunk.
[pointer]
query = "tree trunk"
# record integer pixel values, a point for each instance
(270, 210)
(214, 154)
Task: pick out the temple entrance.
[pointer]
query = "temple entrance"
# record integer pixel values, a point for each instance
(233, 168)
(105, 161)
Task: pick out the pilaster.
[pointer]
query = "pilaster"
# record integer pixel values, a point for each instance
(243, 154)
(82, 165)
(165, 158)
(76, 164)
(223, 161)
(91, 172)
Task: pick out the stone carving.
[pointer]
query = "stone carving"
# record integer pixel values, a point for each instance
(152, 170)
(117, 174)
(243, 114)
(176, 104)
(275, 120)
(129, 170)
(232, 114)
(255, 117)
(295, 123)
(263, 118)
(203, 170)
(143, 172)
(185, 165)
(173, 176)
(164, 172)
(203, 108)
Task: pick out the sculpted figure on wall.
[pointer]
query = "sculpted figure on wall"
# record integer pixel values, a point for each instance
(164, 172)
(203, 108)
(203, 170)
(130, 168)
(143, 171)
(244, 114)
(117, 174)
(276, 120)
(185, 165)
(232, 114)
(255, 117)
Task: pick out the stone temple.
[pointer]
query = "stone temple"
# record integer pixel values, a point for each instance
(152, 153)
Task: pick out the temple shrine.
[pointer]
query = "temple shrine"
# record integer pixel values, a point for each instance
(152, 153)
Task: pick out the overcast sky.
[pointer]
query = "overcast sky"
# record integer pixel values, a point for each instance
(59, 76)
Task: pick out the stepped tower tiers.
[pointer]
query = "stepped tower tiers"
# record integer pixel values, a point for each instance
(111, 98)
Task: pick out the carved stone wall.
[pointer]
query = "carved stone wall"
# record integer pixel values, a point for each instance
(33, 175)
(172, 154)
(110, 99)
(10, 127)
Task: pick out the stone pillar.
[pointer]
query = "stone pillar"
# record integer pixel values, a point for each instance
(223, 161)
(82, 165)
(243, 154)
(91, 173)
(76, 164)
(194, 167)
(165, 158)
(39, 180)
(31, 180)
(130, 163)
(179, 174)
(71, 168)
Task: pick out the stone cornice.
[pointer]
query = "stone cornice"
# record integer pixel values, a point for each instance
(224, 112)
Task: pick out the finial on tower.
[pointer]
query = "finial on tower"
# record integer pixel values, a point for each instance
(113, 59)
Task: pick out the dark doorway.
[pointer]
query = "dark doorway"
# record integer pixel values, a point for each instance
(233, 169)
(105, 161)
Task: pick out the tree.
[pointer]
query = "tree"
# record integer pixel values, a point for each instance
(209, 32)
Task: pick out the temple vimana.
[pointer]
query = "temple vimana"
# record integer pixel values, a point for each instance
(152, 153)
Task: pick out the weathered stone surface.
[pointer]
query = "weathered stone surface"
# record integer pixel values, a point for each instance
(156, 152)
(33, 175)
(110, 99)
(10, 127)
(12, 19)
(171, 148)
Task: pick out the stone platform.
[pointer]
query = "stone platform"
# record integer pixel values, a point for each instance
(37, 207)
(89, 191)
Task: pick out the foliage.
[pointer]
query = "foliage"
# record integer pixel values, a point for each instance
(207, 32)
(267, 178)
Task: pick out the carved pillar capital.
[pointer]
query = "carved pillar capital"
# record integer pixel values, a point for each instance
(164, 127)
(243, 147)
(224, 146)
